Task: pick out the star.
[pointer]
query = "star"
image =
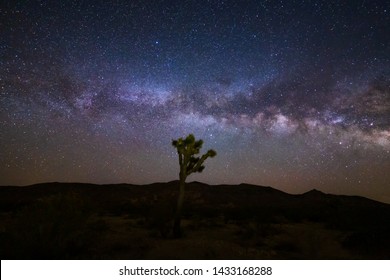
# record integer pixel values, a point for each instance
(298, 90)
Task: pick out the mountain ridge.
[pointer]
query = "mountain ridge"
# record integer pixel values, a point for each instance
(242, 186)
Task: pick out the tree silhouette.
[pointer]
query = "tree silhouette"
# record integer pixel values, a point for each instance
(187, 150)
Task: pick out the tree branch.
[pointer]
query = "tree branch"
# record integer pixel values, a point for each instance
(198, 164)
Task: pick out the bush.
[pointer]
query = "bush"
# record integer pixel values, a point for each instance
(160, 219)
(52, 228)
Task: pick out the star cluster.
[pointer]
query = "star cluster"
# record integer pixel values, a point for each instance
(291, 94)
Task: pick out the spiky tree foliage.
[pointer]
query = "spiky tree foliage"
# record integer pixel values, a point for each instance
(187, 150)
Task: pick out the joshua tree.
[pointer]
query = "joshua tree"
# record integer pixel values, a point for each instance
(187, 150)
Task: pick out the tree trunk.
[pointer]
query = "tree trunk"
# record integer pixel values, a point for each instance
(180, 201)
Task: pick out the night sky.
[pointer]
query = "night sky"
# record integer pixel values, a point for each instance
(291, 94)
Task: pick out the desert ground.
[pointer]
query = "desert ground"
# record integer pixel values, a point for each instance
(85, 221)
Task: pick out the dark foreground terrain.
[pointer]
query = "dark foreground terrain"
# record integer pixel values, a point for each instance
(84, 221)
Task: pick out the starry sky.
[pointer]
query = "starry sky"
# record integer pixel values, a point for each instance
(291, 94)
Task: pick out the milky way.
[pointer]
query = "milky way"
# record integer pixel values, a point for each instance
(291, 94)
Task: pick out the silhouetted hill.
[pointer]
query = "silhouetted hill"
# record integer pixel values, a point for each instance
(243, 199)
(244, 194)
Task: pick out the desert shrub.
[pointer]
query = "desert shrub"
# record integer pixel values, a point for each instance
(246, 231)
(254, 233)
(160, 219)
(371, 243)
(53, 228)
